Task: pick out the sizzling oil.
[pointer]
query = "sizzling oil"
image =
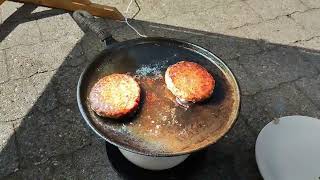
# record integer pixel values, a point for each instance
(164, 123)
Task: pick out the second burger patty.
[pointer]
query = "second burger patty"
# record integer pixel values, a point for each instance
(189, 81)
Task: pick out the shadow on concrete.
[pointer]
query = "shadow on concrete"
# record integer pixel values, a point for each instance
(24, 14)
(48, 141)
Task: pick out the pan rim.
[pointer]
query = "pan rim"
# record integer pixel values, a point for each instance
(226, 70)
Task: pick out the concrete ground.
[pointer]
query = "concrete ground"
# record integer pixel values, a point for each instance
(272, 46)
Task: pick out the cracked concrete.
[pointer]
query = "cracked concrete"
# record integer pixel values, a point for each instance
(272, 8)
(282, 30)
(228, 16)
(272, 47)
(311, 24)
(277, 66)
(3, 67)
(287, 100)
(311, 3)
(60, 26)
(26, 33)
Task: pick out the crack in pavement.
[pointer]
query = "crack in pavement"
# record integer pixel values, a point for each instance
(37, 43)
(260, 17)
(42, 72)
(304, 4)
(275, 18)
(6, 64)
(278, 86)
(306, 40)
(14, 120)
(34, 74)
(40, 33)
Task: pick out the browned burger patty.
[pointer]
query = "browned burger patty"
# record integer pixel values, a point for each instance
(189, 81)
(115, 96)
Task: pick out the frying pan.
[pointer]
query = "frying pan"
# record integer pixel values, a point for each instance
(160, 127)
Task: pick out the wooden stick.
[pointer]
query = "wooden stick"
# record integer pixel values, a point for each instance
(1, 1)
(72, 5)
(82, 1)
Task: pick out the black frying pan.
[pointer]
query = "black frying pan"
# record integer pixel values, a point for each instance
(160, 127)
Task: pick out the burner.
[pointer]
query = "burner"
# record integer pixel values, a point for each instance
(129, 171)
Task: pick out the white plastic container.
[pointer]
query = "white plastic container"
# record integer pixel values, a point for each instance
(153, 162)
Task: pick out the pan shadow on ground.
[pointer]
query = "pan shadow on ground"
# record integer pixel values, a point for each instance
(46, 136)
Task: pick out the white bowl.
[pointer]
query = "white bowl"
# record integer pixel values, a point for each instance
(153, 162)
(289, 149)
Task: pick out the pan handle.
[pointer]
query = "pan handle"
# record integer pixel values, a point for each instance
(89, 23)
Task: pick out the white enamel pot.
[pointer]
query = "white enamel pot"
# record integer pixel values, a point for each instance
(153, 162)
